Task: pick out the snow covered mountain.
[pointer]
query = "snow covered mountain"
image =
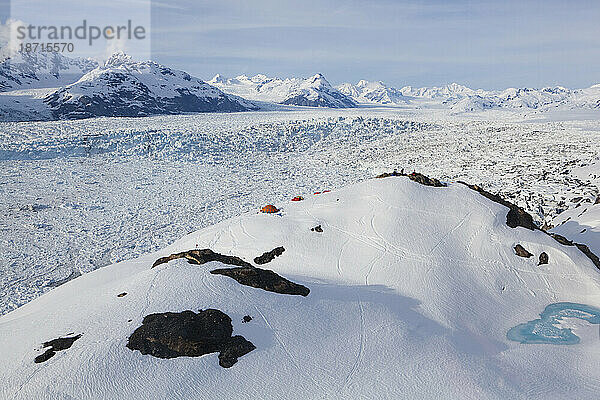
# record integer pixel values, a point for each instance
(460, 98)
(34, 70)
(123, 87)
(587, 98)
(512, 98)
(444, 93)
(384, 289)
(315, 91)
(372, 93)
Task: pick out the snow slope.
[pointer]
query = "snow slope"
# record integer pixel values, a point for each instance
(79, 195)
(123, 87)
(315, 91)
(372, 93)
(413, 290)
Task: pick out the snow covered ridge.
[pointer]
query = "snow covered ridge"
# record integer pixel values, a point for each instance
(34, 70)
(315, 91)
(461, 99)
(402, 277)
(373, 93)
(123, 87)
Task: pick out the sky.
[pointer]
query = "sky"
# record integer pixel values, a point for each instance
(482, 44)
(487, 44)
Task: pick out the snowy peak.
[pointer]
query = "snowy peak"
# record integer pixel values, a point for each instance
(314, 91)
(117, 59)
(317, 81)
(373, 93)
(123, 87)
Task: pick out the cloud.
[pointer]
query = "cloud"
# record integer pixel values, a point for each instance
(9, 42)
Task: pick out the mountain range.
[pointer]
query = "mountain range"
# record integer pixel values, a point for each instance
(42, 86)
(315, 91)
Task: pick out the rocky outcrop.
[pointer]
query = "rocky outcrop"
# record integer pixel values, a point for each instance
(582, 247)
(269, 255)
(317, 229)
(388, 174)
(203, 256)
(586, 250)
(170, 335)
(263, 279)
(561, 239)
(415, 177)
(543, 258)
(425, 180)
(54, 346)
(522, 252)
(516, 215)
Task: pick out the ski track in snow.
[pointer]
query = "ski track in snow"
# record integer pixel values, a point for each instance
(288, 353)
(79, 195)
(359, 354)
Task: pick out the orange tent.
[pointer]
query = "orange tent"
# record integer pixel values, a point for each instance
(269, 209)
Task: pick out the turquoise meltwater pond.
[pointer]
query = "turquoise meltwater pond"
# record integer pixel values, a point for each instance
(546, 330)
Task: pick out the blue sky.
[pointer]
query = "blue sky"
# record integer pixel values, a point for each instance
(489, 44)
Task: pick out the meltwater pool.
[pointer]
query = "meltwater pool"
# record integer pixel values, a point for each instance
(545, 330)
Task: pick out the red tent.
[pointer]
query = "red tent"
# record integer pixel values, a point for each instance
(269, 209)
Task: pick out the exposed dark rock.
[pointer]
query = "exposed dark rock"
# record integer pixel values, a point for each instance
(561, 239)
(122, 294)
(393, 173)
(586, 250)
(516, 215)
(546, 226)
(543, 258)
(45, 356)
(170, 335)
(416, 177)
(236, 347)
(424, 180)
(597, 200)
(582, 247)
(263, 279)
(522, 252)
(317, 229)
(54, 346)
(203, 256)
(269, 255)
(246, 319)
